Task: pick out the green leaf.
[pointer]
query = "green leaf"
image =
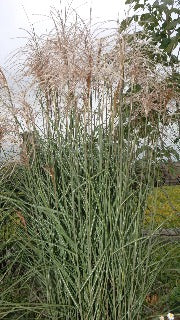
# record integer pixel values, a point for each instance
(172, 25)
(170, 2)
(165, 42)
(125, 23)
(172, 45)
(175, 10)
(145, 17)
(129, 1)
(138, 6)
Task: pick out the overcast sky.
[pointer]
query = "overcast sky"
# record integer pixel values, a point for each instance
(14, 15)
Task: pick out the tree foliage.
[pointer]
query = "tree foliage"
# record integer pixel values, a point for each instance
(155, 23)
(159, 21)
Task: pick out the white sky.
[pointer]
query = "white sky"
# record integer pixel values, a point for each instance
(14, 15)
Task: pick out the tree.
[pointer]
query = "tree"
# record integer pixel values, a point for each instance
(159, 21)
(156, 23)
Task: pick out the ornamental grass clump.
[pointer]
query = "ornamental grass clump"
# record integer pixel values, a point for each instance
(80, 188)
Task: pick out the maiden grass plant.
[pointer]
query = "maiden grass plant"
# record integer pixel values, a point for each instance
(80, 191)
(81, 250)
